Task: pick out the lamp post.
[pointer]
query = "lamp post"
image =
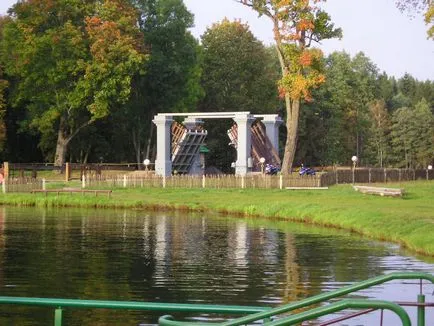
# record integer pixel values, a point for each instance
(146, 163)
(429, 168)
(262, 161)
(354, 159)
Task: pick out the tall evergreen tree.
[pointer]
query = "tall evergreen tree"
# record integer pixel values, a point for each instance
(412, 136)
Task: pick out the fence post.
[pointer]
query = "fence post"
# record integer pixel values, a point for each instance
(421, 310)
(203, 181)
(83, 181)
(125, 180)
(281, 182)
(4, 186)
(164, 182)
(243, 182)
(385, 175)
(337, 178)
(400, 174)
(67, 171)
(370, 178)
(427, 174)
(58, 317)
(43, 184)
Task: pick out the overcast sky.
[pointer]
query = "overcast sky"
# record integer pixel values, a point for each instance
(393, 41)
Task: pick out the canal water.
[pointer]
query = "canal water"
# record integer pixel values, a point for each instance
(180, 258)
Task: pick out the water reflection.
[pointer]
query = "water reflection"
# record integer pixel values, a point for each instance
(127, 255)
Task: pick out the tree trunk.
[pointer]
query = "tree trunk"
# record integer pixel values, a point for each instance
(61, 147)
(137, 145)
(292, 109)
(292, 118)
(148, 146)
(63, 138)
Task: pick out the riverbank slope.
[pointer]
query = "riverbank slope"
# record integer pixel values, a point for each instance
(408, 221)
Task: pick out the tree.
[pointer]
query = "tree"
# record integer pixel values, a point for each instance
(172, 79)
(296, 25)
(238, 74)
(379, 130)
(337, 125)
(420, 5)
(412, 136)
(3, 87)
(74, 61)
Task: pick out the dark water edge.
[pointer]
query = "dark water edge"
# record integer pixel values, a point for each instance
(174, 257)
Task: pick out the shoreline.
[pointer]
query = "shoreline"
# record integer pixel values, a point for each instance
(407, 221)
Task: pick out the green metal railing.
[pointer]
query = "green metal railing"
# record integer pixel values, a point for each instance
(331, 295)
(60, 304)
(317, 312)
(255, 313)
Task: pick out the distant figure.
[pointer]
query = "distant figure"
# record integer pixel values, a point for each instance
(1, 178)
(271, 169)
(306, 171)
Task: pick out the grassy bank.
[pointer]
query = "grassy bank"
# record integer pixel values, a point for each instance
(408, 221)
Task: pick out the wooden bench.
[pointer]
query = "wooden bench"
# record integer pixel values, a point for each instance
(74, 190)
(381, 191)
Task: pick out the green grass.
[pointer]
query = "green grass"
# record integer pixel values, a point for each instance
(408, 221)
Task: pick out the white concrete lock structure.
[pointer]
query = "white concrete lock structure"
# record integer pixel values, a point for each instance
(244, 120)
(163, 162)
(244, 148)
(272, 122)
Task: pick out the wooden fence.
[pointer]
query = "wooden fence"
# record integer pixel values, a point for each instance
(21, 184)
(259, 181)
(377, 175)
(69, 171)
(129, 179)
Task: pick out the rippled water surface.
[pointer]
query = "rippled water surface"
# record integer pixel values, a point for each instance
(139, 256)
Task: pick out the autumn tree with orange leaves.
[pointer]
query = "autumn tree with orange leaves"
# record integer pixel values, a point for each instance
(297, 25)
(73, 62)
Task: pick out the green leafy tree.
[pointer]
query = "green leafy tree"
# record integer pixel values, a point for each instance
(386, 88)
(237, 70)
(73, 69)
(172, 79)
(341, 109)
(296, 25)
(378, 143)
(412, 136)
(3, 87)
(238, 74)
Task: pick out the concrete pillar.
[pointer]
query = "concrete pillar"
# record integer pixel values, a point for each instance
(272, 123)
(244, 148)
(163, 162)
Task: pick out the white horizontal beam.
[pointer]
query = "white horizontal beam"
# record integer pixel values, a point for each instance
(206, 115)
